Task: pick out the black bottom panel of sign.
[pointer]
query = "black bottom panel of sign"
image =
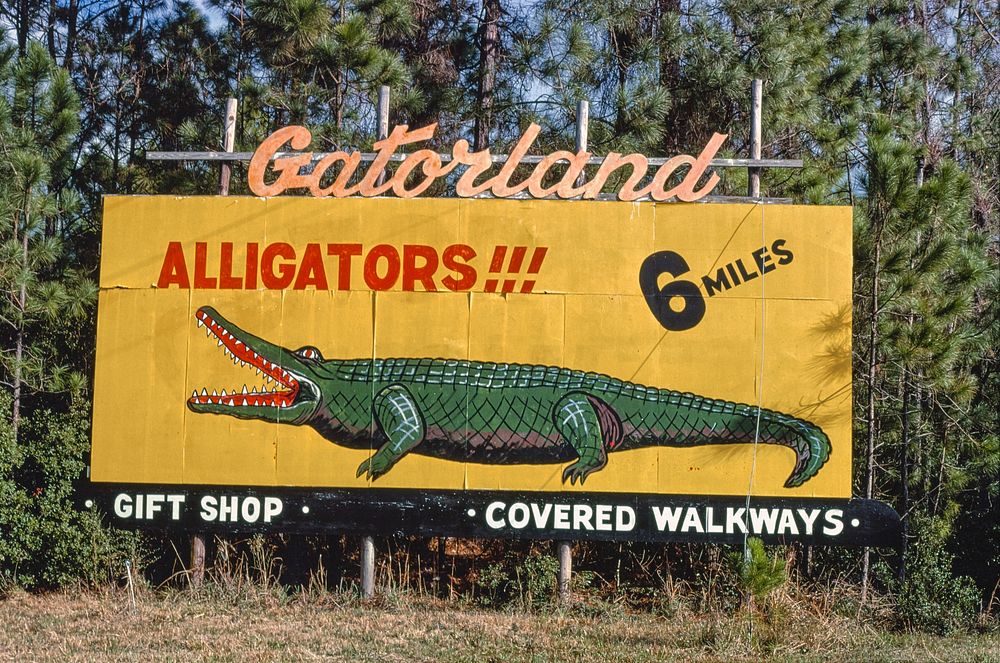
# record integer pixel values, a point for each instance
(493, 514)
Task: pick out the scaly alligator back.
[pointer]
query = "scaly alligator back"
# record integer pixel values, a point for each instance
(506, 413)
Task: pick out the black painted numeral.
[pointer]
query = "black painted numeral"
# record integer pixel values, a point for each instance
(658, 299)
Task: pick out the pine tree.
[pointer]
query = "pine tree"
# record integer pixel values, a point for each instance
(37, 123)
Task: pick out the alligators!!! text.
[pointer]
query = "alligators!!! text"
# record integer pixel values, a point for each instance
(344, 266)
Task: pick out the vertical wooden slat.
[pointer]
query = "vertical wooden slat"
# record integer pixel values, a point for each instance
(756, 93)
(228, 144)
(367, 542)
(564, 549)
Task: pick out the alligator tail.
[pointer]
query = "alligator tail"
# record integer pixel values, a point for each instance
(690, 420)
(810, 444)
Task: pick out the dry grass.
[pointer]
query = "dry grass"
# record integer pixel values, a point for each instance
(217, 625)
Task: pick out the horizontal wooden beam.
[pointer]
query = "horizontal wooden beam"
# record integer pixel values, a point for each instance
(497, 158)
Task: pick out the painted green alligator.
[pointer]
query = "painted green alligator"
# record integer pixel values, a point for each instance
(486, 413)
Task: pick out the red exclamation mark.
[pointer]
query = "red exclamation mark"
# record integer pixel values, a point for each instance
(516, 260)
(496, 265)
(536, 264)
(517, 256)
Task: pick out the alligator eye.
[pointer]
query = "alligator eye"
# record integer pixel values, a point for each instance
(309, 352)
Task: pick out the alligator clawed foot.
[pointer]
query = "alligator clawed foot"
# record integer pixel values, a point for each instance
(578, 470)
(373, 468)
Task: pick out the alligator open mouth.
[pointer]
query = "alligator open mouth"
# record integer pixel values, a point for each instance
(278, 394)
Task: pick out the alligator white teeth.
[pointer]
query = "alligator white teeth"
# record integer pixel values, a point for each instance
(194, 394)
(208, 332)
(253, 390)
(220, 341)
(244, 389)
(204, 392)
(200, 323)
(244, 402)
(215, 393)
(224, 394)
(258, 370)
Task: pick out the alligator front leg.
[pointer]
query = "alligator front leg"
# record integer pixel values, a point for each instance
(578, 422)
(398, 417)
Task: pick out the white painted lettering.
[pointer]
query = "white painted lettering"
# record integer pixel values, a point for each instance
(809, 517)
(787, 524)
(692, 521)
(175, 506)
(209, 512)
(625, 520)
(562, 517)
(667, 517)
(604, 518)
(154, 504)
(734, 519)
(491, 519)
(250, 510)
(763, 520)
(541, 515)
(835, 523)
(518, 515)
(710, 525)
(272, 508)
(123, 506)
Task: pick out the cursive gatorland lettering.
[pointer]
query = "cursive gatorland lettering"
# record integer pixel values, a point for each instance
(421, 168)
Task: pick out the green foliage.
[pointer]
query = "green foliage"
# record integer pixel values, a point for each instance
(47, 299)
(525, 583)
(933, 598)
(48, 540)
(759, 573)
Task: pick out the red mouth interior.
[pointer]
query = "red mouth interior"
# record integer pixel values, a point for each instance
(243, 356)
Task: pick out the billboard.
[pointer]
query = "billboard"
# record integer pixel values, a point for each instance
(463, 366)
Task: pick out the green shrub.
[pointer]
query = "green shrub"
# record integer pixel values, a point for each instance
(47, 541)
(932, 598)
(527, 583)
(759, 574)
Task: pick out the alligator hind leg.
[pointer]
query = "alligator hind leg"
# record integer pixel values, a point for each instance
(399, 418)
(578, 422)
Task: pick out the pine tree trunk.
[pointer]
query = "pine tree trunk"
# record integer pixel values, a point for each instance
(50, 30)
(23, 26)
(22, 302)
(73, 12)
(870, 409)
(904, 477)
(670, 75)
(489, 46)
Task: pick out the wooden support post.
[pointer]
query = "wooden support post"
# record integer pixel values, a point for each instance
(367, 567)
(582, 128)
(197, 560)
(367, 542)
(564, 549)
(228, 144)
(753, 186)
(383, 120)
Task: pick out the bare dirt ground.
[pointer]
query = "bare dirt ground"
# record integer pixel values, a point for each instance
(206, 626)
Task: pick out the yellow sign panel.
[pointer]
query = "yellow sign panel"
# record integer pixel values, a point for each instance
(475, 344)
